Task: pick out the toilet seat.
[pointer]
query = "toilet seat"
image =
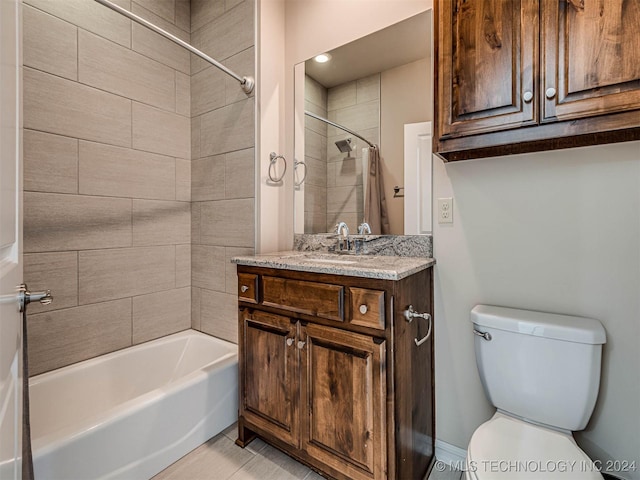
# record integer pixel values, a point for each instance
(508, 448)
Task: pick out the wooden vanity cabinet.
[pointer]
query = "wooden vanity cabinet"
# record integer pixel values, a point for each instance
(331, 374)
(514, 76)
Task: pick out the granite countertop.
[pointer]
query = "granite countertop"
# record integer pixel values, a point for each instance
(367, 266)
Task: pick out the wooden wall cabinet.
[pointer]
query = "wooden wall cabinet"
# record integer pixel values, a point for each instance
(516, 76)
(331, 374)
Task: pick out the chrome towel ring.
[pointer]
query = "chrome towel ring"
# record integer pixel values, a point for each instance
(295, 169)
(273, 160)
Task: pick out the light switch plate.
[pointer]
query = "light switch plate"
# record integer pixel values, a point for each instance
(445, 210)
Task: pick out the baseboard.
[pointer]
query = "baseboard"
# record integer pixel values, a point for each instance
(450, 454)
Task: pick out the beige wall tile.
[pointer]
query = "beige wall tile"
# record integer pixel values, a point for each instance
(183, 265)
(229, 4)
(315, 145)
(183, 15)
(163, 8)
(368, 88)
(228, 223)
(110, 67)
(231, 275)
(50, 44)
(208, 267)
(315, 124)
(243, 64)
(195, 308)
(160, 22)
(91, 16)
(161, 132)
(63, 337)
(123, 272)
(162, 313)
(73, 222)
(228, 128)
(160, 49)
(344, 199)
(195, 137)
(239, 173)
(207, 178)
(57, 272)
(358, 117)
(228, 34)
(316, 172)
(315, 198)
(219, 315)
(205, 11)
(183, 180)
(123, 172)
(56, 105)
(158, 222)
(183, 94)
(207, 90)
(50, 162)
(195, 222)
(342, 96)
(317, 223)
(315, 93)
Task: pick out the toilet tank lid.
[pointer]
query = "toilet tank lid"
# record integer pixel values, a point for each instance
(540, 324)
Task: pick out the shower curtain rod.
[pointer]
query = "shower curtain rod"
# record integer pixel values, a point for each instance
(247, 83)
(337, 125)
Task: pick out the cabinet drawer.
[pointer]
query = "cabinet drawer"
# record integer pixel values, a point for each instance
(311, 298)
(248, 287)
(367, 308)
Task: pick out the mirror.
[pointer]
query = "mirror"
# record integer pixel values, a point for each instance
(364, 94)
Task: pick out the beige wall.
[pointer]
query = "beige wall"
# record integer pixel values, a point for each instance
(107, 182)
(406, 97)
(552, 231)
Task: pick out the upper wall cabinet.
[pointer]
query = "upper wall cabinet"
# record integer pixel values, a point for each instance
(516, 76)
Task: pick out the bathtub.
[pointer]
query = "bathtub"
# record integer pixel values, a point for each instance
(132, 413)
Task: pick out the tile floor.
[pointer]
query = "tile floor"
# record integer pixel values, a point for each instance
(221, 459)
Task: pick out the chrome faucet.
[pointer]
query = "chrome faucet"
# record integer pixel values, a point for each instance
(364, 229)
(343, 229)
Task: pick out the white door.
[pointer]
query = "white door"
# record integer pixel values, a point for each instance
(417, 178)
(10, 239)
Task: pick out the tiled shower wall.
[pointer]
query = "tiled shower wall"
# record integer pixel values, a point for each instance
(223, 170)
(315, 158)
(356, 105)
(107, 156)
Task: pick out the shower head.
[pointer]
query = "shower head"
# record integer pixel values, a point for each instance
(344, 145)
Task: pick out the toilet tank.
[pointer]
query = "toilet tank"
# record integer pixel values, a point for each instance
(542, 367)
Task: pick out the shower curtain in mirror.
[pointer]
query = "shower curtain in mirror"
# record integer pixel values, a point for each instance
(375, 204)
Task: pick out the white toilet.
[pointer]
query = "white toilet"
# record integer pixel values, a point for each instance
(542, 372)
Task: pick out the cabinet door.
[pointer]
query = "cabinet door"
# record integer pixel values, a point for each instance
(590, 57)
(487, 58)
(344, 408)
(270, 374)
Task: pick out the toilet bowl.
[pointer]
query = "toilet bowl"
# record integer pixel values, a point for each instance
(542, 372)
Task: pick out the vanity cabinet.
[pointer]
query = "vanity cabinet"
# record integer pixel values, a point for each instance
(516, 76)
(330, 371)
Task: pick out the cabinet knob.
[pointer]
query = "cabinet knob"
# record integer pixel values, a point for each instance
(301, 344)
(550, 93)
(528, 96)
(363, 309)
(289, 342)
(244, 288)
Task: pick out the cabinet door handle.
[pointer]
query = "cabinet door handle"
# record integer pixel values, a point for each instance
(289, 342)
(301, 344)
(363, 309)
(527, 97)
(244, 288)
(550, 93)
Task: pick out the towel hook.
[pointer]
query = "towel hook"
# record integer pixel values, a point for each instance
(273, 160)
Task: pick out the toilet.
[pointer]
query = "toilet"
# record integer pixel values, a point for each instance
(542, 373)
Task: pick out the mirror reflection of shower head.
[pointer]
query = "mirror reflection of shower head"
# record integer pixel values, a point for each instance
(344, 145)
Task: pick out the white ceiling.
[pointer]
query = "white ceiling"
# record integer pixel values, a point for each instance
(399, 44)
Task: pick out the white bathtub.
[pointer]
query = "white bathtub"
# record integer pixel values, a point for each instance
(132, 413)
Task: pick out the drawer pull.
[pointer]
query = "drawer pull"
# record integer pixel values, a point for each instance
(363, 309)
(244, 288)
(301, 344)
(289, 342)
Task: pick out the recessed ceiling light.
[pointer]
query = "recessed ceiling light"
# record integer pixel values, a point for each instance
(322, 58)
